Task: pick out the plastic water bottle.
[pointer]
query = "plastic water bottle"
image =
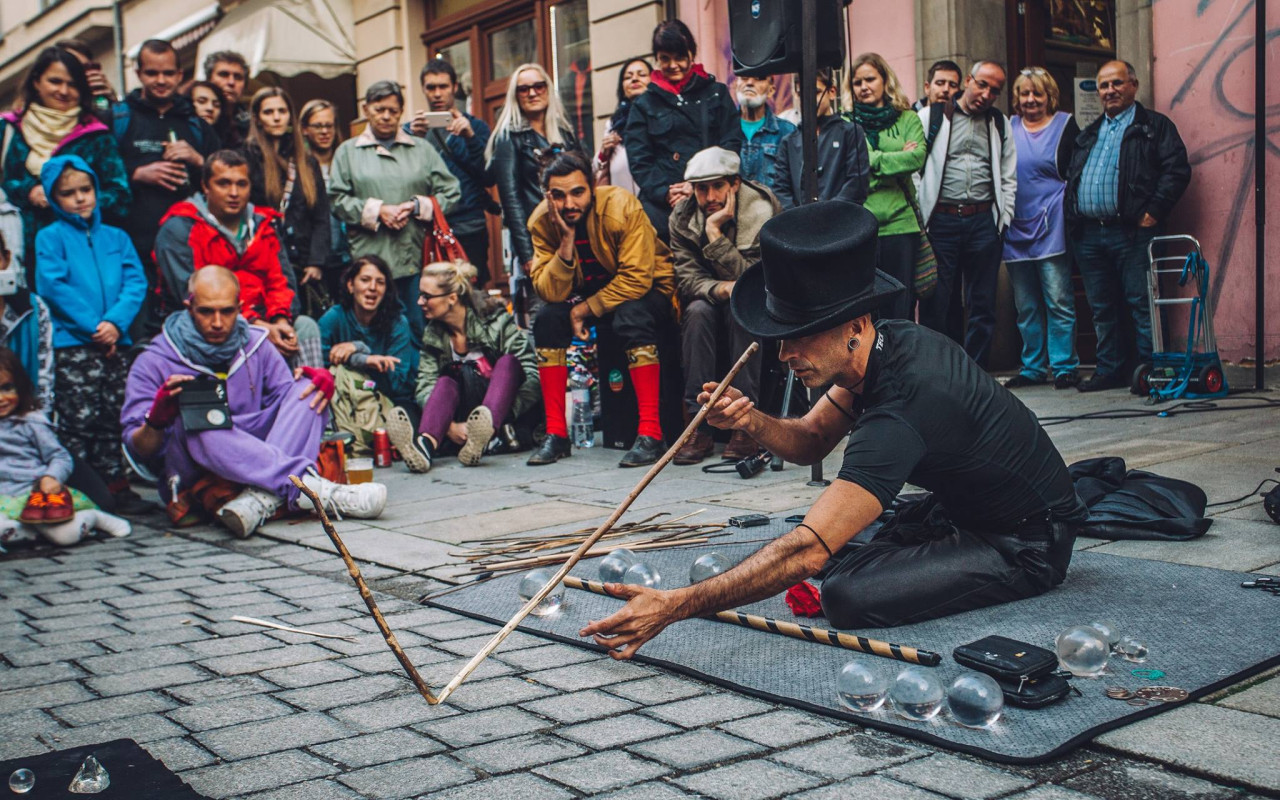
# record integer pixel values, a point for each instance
(581, 429)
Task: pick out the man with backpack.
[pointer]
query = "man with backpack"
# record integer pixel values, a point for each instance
(966, 198)
(163, 144)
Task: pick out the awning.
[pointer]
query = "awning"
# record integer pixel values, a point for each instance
(287, 37)
(204, 18)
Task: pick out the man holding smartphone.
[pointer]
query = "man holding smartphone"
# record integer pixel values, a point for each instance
(461, 143)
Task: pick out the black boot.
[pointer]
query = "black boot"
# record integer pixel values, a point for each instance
(647, 450)
(552, 449)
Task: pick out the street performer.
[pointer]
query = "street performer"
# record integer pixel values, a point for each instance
(1002, 513)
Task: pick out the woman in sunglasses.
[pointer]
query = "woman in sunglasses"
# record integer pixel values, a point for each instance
(531, 126)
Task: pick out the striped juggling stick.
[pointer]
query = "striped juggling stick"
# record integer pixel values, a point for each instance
(845, 641)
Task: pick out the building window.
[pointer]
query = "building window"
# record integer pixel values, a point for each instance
(571, 66)
(458, 55)
(510, 47)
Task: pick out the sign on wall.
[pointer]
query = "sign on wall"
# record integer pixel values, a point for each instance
(1088, 104)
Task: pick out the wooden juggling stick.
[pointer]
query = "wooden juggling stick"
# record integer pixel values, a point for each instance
(537, 599)
(846, 641)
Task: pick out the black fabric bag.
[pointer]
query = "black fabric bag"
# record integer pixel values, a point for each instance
(1025, 672)
(1137, 505)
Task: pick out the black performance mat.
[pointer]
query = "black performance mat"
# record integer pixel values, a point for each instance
(1203, 631)
(135, 773)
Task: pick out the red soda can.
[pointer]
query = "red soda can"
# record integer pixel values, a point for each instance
(381, 448)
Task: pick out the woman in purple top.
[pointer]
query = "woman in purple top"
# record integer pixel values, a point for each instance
(1035, 246)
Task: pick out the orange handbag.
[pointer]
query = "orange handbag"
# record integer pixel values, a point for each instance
(441, 244)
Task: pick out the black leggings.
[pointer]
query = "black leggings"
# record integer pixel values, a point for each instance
(921, 566)
(634, 321)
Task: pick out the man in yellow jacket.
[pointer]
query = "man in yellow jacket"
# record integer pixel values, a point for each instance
(596, 257)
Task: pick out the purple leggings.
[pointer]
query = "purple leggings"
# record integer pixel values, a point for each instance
(442, 404)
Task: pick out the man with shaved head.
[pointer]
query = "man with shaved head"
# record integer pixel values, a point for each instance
(257, 422)
(1128, 171)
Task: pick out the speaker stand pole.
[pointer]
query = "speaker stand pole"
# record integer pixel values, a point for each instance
(809, 144)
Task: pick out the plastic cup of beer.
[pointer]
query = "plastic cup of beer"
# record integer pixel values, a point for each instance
(359, 470)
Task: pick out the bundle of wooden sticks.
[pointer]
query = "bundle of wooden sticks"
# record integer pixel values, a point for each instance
(518, 553)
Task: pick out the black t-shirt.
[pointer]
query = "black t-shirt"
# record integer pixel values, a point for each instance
(928, 415)
(594, 276)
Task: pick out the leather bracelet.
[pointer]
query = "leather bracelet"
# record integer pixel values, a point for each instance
(825, 546)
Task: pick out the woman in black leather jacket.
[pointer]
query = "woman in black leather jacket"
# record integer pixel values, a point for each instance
(684, 110)
(532, 124)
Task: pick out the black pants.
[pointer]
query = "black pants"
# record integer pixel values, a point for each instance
(476, 246)
(968, 251)
(701, 326)
(921, 566)
(898, 258)
(635, 322)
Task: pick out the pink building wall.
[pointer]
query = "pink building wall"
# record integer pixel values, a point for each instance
(1204, 81)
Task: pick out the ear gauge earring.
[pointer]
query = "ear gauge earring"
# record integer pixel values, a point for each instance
(853, 344)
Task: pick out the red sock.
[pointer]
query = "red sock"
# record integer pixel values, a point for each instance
(554, 379)
(645, 378)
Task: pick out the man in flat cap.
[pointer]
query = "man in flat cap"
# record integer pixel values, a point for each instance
(715, 236)
(1002, 514)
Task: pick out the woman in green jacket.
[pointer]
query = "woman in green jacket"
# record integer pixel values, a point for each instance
(382, 184)
(477, 370)
(895, 145)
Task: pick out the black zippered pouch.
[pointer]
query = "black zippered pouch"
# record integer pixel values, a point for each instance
(1035, 692)
(1006, 659)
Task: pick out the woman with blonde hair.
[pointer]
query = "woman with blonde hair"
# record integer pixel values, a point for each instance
(1035, 246)
(477, 369)
(318, 120)
(532, 125)
(896, 150)
(284, 177)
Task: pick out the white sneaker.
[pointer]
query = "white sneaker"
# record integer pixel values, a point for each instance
(479, 432)
(109, 524)
(247, 511)
(361, 500)
(401, 433)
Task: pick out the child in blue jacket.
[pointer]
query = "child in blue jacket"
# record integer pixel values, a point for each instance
(92, 280)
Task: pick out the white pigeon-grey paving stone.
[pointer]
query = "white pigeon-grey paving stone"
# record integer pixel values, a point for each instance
(180, 755)
(617, 730)
(404, 709)
(707, 710)
(319, 789)
(957, 777)
(43, 696)
(142, 680)
(285, 733)
(504, 691)
(112, 707)
(504, 787)
(520, 753)
(34, 654)
(1138, 781)
(377, 748)
(1210, 740)
(579, 706)
(30, 676)
(590, 674)
(223, 712)
(483, 726)
(782, 728)
(286, 656)
(748, 780)
(232, 645)
(216, 688)
(1261, 698)
(239, 778)
(695, 749)
(310, 674)
(530, 659)
(872, 788)
(658, 690)
(142, 728)
(847, 756)
(409, 778)
(362, 689)
(647, 791)
(1050, 792)
(601, 771)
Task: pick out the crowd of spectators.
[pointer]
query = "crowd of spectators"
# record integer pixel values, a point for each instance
(180, 240)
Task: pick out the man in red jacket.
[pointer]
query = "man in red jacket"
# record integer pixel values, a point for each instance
(221, 227)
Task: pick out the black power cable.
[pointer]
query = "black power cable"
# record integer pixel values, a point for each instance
(1177, 409)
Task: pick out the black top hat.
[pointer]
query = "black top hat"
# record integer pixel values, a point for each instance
(817, 269)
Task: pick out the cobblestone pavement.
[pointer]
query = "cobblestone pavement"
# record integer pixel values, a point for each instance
(133, 638)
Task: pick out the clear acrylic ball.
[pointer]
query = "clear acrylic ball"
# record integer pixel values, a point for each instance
(21, 780)
(707, 566)
(1082, 651)
(917, 694)
(532, 583)
(1108, 630)
(861, 688)
(642, 574)
(975, 700)
(1131, 649)
(615, 564)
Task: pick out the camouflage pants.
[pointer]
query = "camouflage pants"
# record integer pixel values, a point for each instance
(88, 395)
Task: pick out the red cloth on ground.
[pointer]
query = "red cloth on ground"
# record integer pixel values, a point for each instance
(804, 600)
(554, 379)
(646, 379)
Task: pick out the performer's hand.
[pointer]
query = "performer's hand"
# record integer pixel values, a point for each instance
(321, 388)
(164, 408)
(644, 616)
(731, 412)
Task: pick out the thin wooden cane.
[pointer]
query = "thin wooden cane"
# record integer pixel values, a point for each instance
(844, 641)
(354, 571)
(537, 599)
